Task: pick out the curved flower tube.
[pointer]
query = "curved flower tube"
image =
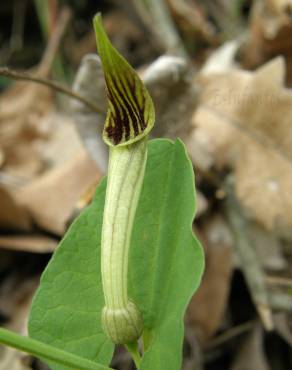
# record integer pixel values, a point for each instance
(130, 117)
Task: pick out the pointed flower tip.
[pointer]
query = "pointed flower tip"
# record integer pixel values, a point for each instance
(131, 114)
(98, 27)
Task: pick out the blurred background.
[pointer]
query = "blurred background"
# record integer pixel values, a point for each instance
(220, 74)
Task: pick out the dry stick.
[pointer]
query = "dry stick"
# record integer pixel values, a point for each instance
(6, 72)
(147, 20)
(46, 63)
(250, 265)
(281, 302)
(279, 281)
(161, 16)
(54, 43)
(230, 334)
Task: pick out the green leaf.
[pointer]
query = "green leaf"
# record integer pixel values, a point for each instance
(165, 268)
(131, 113)
(66, 311)
(166, 261)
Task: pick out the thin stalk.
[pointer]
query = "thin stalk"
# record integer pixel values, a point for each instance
(47, 352)
(133, 348)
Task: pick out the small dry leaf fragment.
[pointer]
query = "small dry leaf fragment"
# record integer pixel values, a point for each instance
(203, 315)
(269, 34)
(12, 214)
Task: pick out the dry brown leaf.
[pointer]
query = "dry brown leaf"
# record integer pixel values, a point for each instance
(2, 157)
(22, 108)
(203, 315)
(51, 199)
(12, 215)
(64, 141)
(270, 34)
(245, 119)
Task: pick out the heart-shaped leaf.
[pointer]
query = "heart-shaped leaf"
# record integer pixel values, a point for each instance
(165, 268)
(66, 311)
(166, 260)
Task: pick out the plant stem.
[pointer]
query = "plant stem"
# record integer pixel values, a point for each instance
(146, 339)
(134, 351)
(47, 352)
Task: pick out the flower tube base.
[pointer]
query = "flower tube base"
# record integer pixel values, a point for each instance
(122, 325)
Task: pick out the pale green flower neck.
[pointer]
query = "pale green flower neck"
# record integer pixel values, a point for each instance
(121, 318)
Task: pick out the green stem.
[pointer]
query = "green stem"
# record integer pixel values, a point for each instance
(146, 339)
(134, 351)
(47, 352)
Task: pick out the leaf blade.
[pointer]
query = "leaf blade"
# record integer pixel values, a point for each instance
(66, 309)
(155, 234)
(174, 255)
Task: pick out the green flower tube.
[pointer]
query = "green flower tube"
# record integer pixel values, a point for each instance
(129, 119)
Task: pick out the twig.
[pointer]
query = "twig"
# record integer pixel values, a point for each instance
(230, 334)
(16, 39)
(167, 33)
(281, 302)
(54, 42)
(250, 265)
(147, 20)
(9, 73)
(279, 281)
